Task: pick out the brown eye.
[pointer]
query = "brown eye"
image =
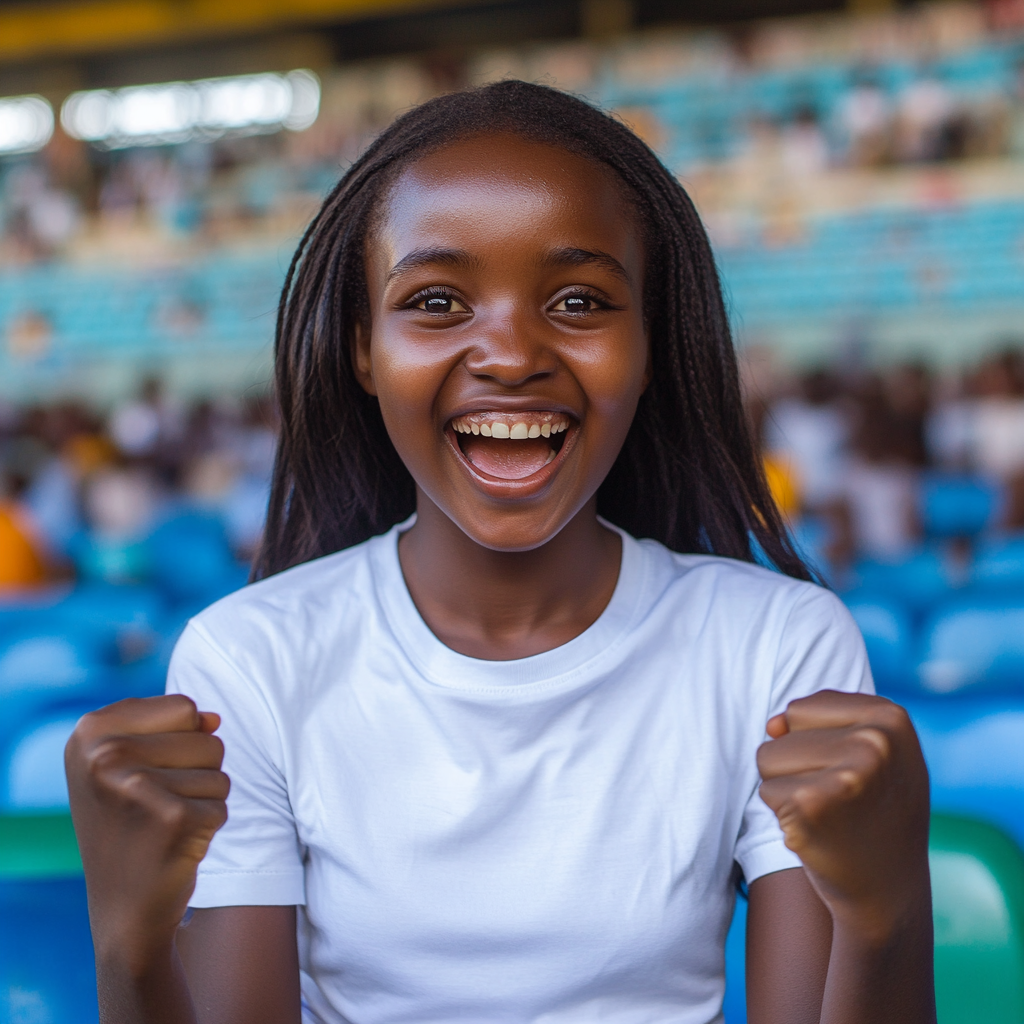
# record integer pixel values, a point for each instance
(441, 304)
(575, 304)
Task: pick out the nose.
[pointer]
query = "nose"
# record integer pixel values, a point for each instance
(510, 350)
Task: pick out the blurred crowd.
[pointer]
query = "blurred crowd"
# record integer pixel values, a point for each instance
(81, 493)
(849, 454)
(730, 97)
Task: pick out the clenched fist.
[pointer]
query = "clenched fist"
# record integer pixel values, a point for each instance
(845, 776)
(147, 795)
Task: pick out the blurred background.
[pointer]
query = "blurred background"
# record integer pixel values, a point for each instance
(860, 169)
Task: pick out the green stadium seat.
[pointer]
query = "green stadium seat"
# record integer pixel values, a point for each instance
(978, 905)
(38, 846)
(978, 896)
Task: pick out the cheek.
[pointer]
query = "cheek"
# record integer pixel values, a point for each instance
(613, 377)
(407, 377)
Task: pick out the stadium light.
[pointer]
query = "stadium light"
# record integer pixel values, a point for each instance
(152, 115)
(26, 124)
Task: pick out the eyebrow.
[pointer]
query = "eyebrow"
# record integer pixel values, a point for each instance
(573, 257)
(458, 258)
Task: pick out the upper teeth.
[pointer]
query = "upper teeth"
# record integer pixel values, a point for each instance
(516, 428)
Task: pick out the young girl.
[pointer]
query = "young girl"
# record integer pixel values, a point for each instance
(492, 758)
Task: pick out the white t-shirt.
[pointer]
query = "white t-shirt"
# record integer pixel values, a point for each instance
(541, 841)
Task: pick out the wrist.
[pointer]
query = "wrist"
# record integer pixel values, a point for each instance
(879, 925)
(135, 954)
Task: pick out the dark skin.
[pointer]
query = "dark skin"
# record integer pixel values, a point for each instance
(506, 276)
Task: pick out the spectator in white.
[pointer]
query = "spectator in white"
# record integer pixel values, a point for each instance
(865, 122)
(950, 428)
(1016, 127)
(926, 108)
(999, 429)
(51, 215)
(983, 431)
(121, 504)
(810, 432)
(804, 146)
(142, 427)
(883, 478)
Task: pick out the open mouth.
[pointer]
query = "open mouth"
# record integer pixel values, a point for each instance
(511, 446)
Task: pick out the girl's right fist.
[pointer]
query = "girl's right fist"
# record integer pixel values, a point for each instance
(147, 795)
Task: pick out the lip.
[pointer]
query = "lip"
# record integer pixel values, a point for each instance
(498, 487)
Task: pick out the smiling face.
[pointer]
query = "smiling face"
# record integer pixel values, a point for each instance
(506, 342)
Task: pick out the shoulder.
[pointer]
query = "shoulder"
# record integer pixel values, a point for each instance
(286, 617)
(744, 585)
(740, 602)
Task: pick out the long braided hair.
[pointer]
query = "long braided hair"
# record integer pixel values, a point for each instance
(688, 474)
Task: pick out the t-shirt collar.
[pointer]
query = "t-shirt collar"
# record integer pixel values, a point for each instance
(561, 666)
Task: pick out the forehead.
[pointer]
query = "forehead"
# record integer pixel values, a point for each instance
(524, 190)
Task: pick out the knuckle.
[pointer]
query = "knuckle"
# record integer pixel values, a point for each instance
(105, 756)
(183, 705)
(220, 814)
(173, 815)
(896, 718)
(875, 743)
(806, 802)
(850, 783)
(133, 787)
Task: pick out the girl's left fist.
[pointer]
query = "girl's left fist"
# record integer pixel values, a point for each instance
(845, 776)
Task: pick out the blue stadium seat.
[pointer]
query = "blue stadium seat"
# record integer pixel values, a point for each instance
(999, 566)
(46, 954)
(957, 506)
(190, 557)
(32, 769)
(974, 645)
(46, 959)
(888, 636)
(734, 1005)
(975, 753)
(32, 750)
(919, 583)
(59, 659)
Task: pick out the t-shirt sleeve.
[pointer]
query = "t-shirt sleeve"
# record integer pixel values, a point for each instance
(820, 648)
(256, 859)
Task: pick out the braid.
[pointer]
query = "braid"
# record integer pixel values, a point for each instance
(688, 474)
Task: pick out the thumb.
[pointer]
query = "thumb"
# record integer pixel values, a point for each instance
(777, 726)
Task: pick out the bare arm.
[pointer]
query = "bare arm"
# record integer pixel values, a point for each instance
(147, 795)
(242, 965)
(846, 778)
(789, 938)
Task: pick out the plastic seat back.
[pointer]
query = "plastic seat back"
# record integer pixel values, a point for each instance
(919, 583)
(46, 955)
(999, 567)
(975, 754)
(974, 645)
(957, 506)
(51, 660)
(33, 769)
(978, 905)
(888, 637)
(190, 556)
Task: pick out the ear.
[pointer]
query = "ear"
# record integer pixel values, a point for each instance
(362, 364)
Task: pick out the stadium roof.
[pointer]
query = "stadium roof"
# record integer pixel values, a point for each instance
(29, 30)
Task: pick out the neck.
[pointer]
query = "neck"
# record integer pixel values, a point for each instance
(500, 605)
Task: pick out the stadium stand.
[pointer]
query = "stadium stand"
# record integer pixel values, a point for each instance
(861, 181)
